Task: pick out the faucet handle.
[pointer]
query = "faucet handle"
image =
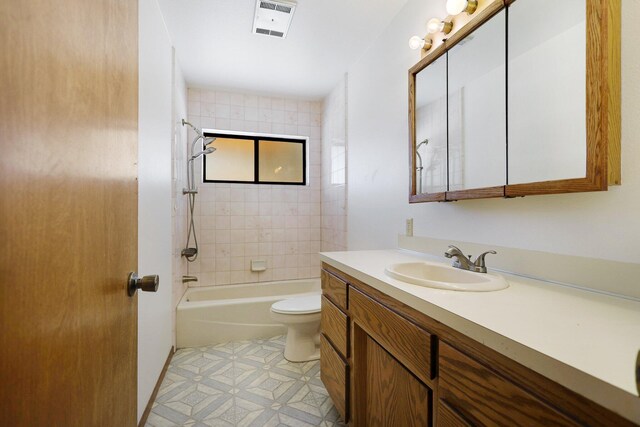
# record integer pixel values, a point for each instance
(480, 260)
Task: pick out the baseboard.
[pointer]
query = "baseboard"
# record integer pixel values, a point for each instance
(147, 410)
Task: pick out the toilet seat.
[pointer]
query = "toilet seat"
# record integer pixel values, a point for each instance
(298, 305)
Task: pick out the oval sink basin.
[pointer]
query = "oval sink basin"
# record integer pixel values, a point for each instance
(444, 277)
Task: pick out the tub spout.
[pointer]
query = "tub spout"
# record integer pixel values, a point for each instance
(187, 279)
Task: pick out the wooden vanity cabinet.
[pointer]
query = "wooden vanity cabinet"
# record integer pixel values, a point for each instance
(334, 341)
(387, 364)
(391, 366)
(475, 392)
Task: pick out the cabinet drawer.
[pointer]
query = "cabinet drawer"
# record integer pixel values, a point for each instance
(486, 398)
(407, 342)
(334, 326)
(333, 373)
(334, 289)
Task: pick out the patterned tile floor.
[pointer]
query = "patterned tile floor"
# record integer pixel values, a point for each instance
(244, 383)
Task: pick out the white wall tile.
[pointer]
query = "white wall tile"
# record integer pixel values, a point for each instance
(240, 222)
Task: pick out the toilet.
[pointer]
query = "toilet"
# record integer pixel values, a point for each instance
(301, 315)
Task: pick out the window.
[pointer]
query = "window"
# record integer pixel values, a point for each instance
(257, 159)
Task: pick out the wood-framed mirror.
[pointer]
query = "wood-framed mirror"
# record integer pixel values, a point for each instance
(532, 94)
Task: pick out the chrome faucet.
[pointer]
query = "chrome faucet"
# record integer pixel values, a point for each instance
(464, 263)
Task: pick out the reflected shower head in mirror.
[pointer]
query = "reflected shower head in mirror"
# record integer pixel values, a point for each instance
(208, 140)
(425, 142)
(419, 168)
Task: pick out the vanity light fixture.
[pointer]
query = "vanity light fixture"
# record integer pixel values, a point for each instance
(417, 42)
(435, 25)
(456, 7)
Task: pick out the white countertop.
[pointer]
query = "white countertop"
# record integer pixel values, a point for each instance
(584, 340)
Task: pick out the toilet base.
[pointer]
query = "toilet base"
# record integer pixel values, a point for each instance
(302, 345)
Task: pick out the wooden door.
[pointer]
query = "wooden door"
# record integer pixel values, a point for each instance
(68, 212)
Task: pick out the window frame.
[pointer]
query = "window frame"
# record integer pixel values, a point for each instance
(257, 137)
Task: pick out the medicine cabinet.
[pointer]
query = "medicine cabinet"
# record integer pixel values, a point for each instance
(522, 97)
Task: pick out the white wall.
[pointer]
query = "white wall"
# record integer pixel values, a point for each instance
(154, 198)
(602, 225)
(180, 205)
(334, 165)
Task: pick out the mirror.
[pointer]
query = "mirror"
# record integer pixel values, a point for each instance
(477, 108)
(521, 98)
(547, 90)
(431, 128)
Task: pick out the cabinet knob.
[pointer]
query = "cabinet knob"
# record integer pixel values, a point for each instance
(146, 283)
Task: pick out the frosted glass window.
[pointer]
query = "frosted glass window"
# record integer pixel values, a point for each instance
(256, 159)
(233, 161)
(281, 161)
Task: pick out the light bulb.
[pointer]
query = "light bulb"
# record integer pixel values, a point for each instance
(455, 7)
(416, 42)
(435, 25)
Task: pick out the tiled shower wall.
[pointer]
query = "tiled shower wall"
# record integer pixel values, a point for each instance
(237, 223)
(334, 170)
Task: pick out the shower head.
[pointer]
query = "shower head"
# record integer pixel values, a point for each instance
(425, 142)
(208, 140)
(203, 153)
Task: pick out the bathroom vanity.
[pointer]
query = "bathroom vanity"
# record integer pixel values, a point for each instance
(394, 353)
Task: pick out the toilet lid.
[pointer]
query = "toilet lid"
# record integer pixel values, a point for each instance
(299, 305)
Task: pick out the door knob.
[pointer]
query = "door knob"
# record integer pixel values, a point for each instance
(146, 283)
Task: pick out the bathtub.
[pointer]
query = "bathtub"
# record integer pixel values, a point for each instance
(217, 314)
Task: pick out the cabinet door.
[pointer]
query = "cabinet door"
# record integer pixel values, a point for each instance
(547, 90)
(386, 393)
(477, 109)
(334, 374)
(430, 143)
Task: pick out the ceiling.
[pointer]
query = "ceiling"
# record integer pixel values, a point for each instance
(215, 45)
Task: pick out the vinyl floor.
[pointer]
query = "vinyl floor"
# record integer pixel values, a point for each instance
(244, 383)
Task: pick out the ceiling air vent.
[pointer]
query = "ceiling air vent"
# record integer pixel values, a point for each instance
(273, 18)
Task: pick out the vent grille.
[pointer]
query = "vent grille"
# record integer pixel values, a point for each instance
(285, 9)
(267, 5)
(269, 32)
(273, 17)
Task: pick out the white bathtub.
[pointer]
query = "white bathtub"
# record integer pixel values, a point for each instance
(217, 314)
